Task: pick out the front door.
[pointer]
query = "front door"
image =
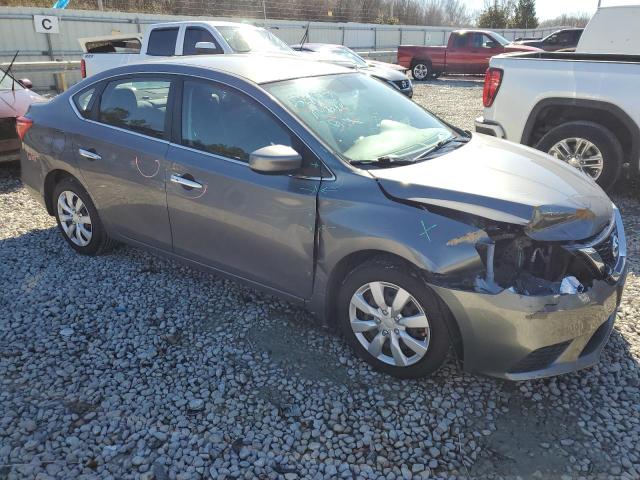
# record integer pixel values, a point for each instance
(121, 153)
(227, 216)
(481, 48)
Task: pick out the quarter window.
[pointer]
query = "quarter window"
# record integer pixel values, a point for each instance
(460, 41)
(226, 122)
(194, 35)
(82, 101)
(162, 42)
(137, 105)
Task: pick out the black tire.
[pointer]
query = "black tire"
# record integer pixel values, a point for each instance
(601, 137)
(380, 270)
(421, 70)
(99, 242)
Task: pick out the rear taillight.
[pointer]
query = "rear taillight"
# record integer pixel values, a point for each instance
(492, 81)
(23, 124)
(83, 68)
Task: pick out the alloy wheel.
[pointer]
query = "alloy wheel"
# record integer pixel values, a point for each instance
(75, 219)
(389, 323)
(421, 71)
(581, 154)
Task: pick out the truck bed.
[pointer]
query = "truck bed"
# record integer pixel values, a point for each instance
(436, 55)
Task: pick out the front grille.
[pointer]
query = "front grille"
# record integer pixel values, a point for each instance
(608, 250)
(540, 358)
(402, 84)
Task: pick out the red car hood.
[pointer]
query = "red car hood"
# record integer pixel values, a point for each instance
(514, 47)
(15, 103)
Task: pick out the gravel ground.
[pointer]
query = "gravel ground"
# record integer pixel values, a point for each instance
(131, 366)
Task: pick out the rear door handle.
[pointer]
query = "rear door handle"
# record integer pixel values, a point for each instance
(91, 155)
(185, 182)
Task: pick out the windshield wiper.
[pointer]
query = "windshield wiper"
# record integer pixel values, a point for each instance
(440, 145)
(383, 162)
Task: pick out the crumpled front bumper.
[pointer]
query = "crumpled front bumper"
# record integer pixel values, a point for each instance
(519, 337)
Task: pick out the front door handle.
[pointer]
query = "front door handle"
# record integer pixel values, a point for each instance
(90, 154)
(185, 182)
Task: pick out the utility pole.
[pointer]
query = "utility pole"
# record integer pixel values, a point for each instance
(264, 9)
(100, 5)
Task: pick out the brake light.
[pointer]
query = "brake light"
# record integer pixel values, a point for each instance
(492, 81)
(83, 68)
(23, 124)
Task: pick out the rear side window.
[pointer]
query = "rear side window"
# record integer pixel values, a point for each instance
(137, 105)
(82, 101)
(459, 41)
(162, 42)
(226, 122)
(194, 35)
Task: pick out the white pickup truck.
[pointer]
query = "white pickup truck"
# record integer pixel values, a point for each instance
(580, 107)
(176, 39)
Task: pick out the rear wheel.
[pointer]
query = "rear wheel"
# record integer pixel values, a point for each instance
(589, 147)
(78, 219)
(421, 71)
(393, 320)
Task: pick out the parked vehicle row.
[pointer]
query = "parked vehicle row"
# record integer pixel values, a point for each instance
(329, 188)
(467, 51)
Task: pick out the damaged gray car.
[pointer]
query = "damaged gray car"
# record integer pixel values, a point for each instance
(337, 193)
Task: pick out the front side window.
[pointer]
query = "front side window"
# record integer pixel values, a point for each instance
(138, 105)
(460, 40)
(225, 122)
(193, 35)
(250, 39)
(360, 118)
(162, 42)
(82, 101)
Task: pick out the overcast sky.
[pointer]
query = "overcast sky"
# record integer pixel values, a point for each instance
(552, 8)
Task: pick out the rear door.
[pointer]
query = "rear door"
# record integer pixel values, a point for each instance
(258, 227)
(121, 153)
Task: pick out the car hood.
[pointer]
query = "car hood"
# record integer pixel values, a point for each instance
(14, 103)
(515, 47)
(507, 183)
(389, 74)
(529, 43)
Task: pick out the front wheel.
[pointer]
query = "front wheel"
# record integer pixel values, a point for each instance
(587, 146)
(421, 71)
(393, 320)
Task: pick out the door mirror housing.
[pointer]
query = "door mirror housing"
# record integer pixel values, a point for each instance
(275, 159)
(26, 83)
(206, 47)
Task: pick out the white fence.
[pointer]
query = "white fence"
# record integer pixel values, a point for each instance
(17, 32)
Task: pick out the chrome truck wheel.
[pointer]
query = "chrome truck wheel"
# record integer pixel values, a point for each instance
(581, 154)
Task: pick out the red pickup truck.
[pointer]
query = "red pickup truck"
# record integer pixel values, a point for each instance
(468, 51)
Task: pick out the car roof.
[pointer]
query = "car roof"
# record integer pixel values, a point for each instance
(212, 23)
(259, 68)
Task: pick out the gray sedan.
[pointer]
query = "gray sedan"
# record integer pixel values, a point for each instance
(326, 187)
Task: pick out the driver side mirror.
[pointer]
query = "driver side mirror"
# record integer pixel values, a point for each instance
(26, 83)
(492, 45)
(275, 159)
(206, 47)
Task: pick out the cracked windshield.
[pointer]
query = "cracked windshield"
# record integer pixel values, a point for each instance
(361, 118)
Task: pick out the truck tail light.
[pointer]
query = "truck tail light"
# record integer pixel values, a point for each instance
(83, 68)
(23, 124)
(492, 81)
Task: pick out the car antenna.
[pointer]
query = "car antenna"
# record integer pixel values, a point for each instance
(305, 37)
(6, 72)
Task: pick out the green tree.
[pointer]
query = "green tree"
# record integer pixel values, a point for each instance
(524, 15)
(495, 15)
